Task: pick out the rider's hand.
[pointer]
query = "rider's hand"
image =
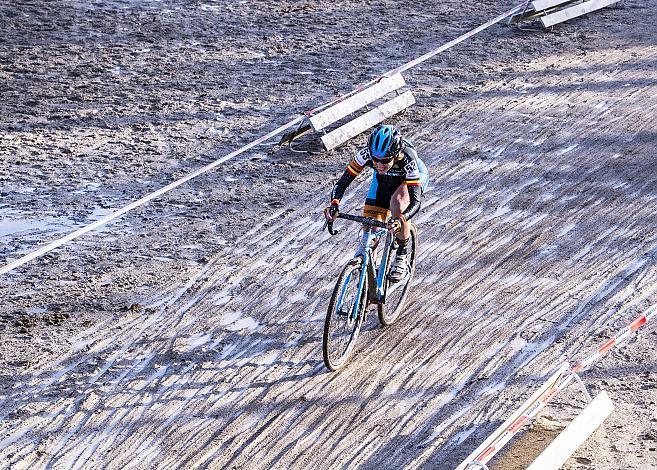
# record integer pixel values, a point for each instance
(395, 224)
(331, 212)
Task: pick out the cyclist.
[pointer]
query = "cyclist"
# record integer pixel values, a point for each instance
(398, 182)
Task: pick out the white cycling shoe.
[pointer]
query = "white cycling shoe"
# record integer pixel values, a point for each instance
(399, 268)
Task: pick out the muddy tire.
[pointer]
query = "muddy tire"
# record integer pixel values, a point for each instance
(396, 292)
(341, 327)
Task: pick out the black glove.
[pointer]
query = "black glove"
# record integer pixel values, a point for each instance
(331, 212)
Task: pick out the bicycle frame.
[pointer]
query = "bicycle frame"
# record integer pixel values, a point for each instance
(365, 250)
(354, 291)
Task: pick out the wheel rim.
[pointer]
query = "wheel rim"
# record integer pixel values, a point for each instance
(343, 326)
(396, 291)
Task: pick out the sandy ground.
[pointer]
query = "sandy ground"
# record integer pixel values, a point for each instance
(189, 332)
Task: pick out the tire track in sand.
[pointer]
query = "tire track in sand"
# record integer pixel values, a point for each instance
(529, 230)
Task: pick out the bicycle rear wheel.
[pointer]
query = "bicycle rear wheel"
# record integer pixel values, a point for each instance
(345, 315)
(396, 292)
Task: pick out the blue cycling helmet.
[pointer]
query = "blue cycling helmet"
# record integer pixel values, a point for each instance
(384, 142)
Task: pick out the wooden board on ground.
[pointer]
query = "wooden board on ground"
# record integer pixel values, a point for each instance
(367, 120)
(563, 446)
(574, 11)
(530, 402)
(540, 5)
(359, 100)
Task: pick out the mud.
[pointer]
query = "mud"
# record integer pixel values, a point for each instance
(189, 332)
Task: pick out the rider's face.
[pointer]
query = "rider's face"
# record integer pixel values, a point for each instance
(383, 167)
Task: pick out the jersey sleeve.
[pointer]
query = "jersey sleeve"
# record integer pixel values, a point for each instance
(357, 163)
(355, 167)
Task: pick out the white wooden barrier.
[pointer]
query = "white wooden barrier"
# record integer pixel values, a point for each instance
(541, 5)
(356, 102)
(556, 383)
(482, 454)
(367, 120)
(321, 121)
(574, 11)
(571, 438)
(552, 12)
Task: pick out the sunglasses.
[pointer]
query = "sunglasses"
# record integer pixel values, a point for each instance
(384, 161)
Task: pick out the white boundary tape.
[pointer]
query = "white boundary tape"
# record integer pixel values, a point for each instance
(540, 399)
(60, 241)
(118, 213)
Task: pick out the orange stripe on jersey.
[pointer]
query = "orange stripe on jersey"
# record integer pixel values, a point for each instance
(412, 183)
(358, 167)
(354, 169)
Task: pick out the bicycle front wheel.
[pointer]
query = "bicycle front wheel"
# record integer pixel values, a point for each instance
(396, 292)
(345, 315)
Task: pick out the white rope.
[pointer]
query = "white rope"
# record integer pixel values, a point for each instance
(59, 242)
(456, 41)
(118, 213)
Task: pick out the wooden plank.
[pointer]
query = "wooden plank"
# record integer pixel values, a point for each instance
(530, 402)
(540, 5)
(367, 120)
(353, 103)
(575, 11)
(563, 446)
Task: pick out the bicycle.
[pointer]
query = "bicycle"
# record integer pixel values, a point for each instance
(362, 283)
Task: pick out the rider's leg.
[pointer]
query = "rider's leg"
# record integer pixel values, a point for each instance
(398, 202)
